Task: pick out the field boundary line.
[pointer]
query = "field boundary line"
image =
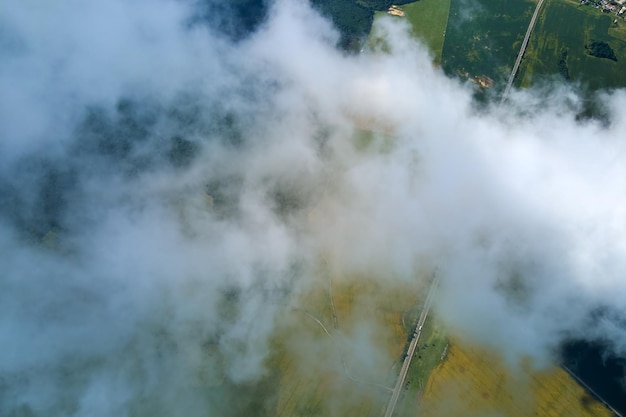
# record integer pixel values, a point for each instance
(591, 391)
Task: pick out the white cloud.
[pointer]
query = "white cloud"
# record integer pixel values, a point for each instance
(158, 274)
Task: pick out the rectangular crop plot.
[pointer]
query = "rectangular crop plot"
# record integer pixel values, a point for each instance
(483, 38)
(565, 40)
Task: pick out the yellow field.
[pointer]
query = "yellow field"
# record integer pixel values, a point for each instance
(475, 382)
(335, 375)
(337, 354)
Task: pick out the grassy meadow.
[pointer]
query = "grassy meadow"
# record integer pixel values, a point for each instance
(474, 39)
(557, 46)
(478, 40)
(428, 19)
(430, 350)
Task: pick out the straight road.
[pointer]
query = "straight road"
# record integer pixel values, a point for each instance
(409, 356)
(588, 388)
(520, 55)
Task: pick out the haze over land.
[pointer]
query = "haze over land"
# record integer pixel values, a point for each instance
(168, 192)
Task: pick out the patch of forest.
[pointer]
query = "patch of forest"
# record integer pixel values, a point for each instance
(353, 18)
(601, 50)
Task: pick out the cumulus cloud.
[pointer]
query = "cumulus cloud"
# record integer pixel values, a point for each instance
(167, 192)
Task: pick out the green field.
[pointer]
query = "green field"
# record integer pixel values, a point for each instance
(430, 350)
(557, 46)
(483, 38)
(476, 40)
(429, 19)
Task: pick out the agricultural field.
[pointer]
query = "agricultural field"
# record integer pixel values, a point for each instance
(339, 353)
(483, 38)
(475, 382)
(430, 351)
(337, 375)
(322, 363)
(476, 40)
(560, 44)
(428, 19)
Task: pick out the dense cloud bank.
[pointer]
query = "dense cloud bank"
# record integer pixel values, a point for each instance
(167, 192)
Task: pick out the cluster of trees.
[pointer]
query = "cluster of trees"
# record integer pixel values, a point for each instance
(238, 18)
(234, 18)
(562, 65)
(601, 50)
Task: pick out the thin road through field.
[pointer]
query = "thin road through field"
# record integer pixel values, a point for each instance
(589, 389)
(520, 55)
(409, 356)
